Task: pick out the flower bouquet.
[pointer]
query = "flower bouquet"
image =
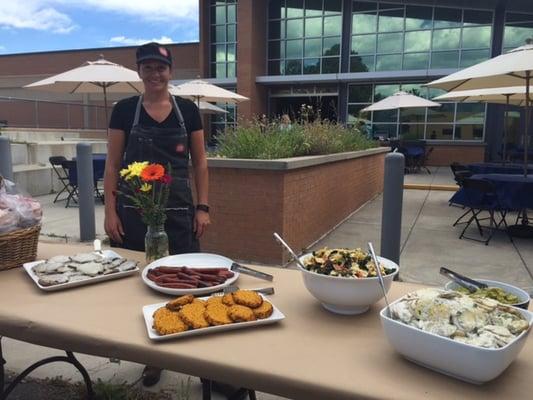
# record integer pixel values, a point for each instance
(149, 186)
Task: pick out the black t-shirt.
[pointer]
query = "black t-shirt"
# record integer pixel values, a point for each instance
(124, 112)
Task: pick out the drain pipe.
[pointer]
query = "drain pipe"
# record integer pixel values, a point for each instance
(391, 216)
(6, 163)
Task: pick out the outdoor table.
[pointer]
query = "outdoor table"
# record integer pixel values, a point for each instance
(498, 168)
(312, 354)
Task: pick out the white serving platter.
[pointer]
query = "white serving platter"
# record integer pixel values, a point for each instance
(194, 260)
(148, 312)
(99, 278)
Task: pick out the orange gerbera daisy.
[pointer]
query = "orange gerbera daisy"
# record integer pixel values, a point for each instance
(152, 172)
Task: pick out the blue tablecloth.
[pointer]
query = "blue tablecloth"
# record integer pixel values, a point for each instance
(497, 168)
(415, 151)
(515, 192)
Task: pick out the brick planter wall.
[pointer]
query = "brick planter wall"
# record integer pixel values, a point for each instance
(300, 198)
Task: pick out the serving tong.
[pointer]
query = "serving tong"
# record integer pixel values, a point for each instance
(252, 272)
(380, 277)
(468, 283)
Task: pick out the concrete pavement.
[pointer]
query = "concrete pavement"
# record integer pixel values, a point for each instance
(428, 242)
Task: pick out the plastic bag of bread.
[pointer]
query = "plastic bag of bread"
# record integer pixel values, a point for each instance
(17, 210)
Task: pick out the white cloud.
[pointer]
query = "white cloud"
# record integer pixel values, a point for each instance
(135, 41)
(34, 14)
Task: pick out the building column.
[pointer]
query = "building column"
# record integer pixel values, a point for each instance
(252, 20)
(205, 40)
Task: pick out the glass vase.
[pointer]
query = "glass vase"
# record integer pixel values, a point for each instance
(155, 243)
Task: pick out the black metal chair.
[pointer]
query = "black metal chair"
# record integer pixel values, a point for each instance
(481, 196)
(72, 186)
(62, 175)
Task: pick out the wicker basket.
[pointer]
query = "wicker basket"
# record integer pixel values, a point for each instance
(19, 247)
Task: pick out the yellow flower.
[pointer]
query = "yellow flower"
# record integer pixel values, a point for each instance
(145, 187)
(133, 170)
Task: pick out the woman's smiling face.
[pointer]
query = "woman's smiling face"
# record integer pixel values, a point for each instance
(154, 74)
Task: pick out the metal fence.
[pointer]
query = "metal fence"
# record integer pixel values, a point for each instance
(31, 113)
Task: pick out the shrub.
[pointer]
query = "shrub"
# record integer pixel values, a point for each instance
(268, 140)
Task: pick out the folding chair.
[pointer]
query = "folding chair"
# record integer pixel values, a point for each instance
(61, 173)
(481, 196)
(72, 186)
(421, 161)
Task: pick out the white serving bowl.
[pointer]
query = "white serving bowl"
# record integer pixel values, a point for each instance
(462, 361)
(522, 295)
(348, 296)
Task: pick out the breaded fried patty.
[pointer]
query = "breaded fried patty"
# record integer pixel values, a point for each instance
(227, 299)
(247, 298)
(239, 313)
(167, 322)
(193, 315)
(214, 300)
(264, 310)
(217, 314)
(177, 303)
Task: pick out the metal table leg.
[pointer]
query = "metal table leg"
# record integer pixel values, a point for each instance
(69, 358)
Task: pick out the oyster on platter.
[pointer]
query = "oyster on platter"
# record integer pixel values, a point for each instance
(476, 321)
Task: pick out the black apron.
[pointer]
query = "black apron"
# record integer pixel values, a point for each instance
(163, 146)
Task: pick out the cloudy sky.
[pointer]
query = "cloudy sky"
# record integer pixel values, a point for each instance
(43, 25)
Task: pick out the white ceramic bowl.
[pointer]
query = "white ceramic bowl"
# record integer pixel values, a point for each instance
(522, 295)
(462, 361)
(348, 296)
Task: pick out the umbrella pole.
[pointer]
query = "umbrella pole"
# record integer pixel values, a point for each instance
(105, 107)
(505, 122)
(526, 136)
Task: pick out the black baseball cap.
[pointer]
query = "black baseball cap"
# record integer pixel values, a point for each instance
(153, 51)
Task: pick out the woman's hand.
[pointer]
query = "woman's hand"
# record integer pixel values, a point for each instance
(113, 226)
(201, 220)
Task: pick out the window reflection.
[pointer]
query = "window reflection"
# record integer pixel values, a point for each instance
(447, 17)
(364, 44)
(388, 62)
(418, 17)
(223, 36)
(444, 59)
(477, 37)
(417, 41)
(444, 113)
(415, 61)
(472, 57)
(390, 42)
(391, 20)
(439, 132)
(364, 23)
(446, 39)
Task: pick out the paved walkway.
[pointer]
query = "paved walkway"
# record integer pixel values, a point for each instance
(428, 242)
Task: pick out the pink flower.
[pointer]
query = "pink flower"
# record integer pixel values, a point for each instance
(165, 179)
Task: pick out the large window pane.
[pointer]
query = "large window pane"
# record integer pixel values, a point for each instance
(418, 17)
(313, 27)
(295, 28)
(273, 67)
(469, 132)
(274, 9)
(477, 37)
(295, 8)
(354, 112)
(220, 53)
(415, 61)
(220, 15)
(390, 21)
(312, 66)
(232, 13)
(274, 30)
(412, 131)
(384, 131)
(439, 132)
(232, 70)
(415, 88)
(470, 113)
(413, 115)
(472, 57)
(446, 39)
(364, 6)
(220, 70)
(364, 23)
(232, 33)
(364, 44)
(332, 46)
(294, 49)
(330, 65)
(220, 33)
(332, 26)
(362, 64)
(444, 113)
(390, 42)
(231, 53)
(313, 48)
(293, 67)
(390, 62)
(447, 17)
(360, 94)
(516, 35)
(382, 91)
(445, 59)
(332, 6)
(313, 7)
(477, 17)
(417, 41)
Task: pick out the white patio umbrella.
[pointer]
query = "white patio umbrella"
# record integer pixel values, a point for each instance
(99, 76)
(400, 100)
(201, 90)
(515, 95)
(513, 68)
(208, 108)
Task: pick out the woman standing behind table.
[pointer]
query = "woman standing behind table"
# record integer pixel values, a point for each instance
(164, 129)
